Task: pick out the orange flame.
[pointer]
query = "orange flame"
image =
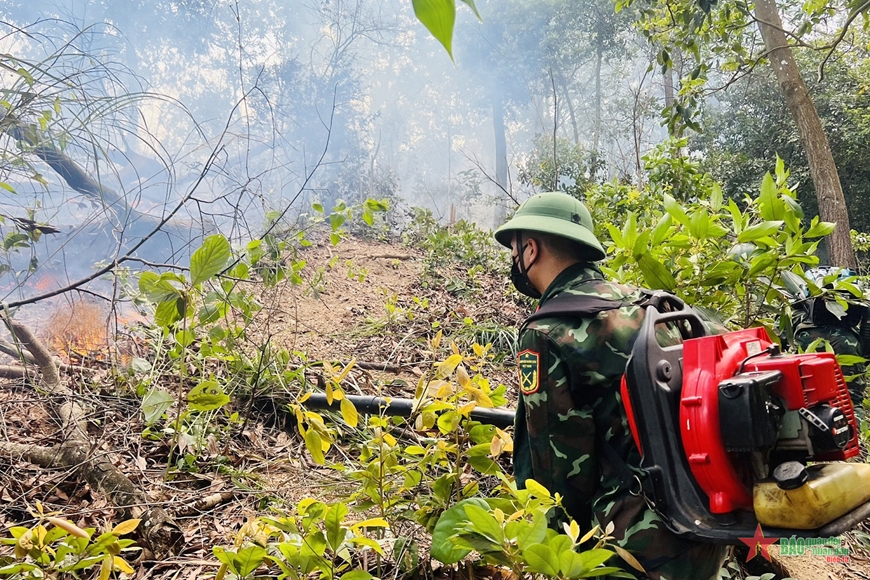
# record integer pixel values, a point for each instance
(79, 331)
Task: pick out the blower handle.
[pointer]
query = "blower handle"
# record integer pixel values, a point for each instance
(665, 308)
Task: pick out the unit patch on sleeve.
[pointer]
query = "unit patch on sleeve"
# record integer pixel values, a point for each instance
(529, 367)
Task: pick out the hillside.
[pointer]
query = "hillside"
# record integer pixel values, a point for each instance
(378, 305)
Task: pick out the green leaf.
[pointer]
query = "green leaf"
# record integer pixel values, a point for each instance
(850, 359)
(155, 403)
(156, 288)
(676, 210)
(770, 205)
(527, 534)
(470, 3)
(571, 564)
(662, 229)
(641, 245)
(207, 396)
(655, 275)
(615, 235)
(483, 523)
(357, 575)
(438, 16)
(317, 207)
(167, 313)
(443, 547)
(541, 559)
(448, 422)
(699, 224)
(335, 533)
(820, 229)
(758, 231)
(210, 259)
(629, 231)
(248, 559)
(594, 558)
(536, 489)
(716, 197)
(761, 263)
(7, 187)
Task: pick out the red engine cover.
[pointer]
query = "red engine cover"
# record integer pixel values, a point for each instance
(808, 379)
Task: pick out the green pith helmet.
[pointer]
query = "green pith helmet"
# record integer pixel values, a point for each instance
(557, 214)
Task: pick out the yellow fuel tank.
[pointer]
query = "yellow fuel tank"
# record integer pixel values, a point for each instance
(832, 489)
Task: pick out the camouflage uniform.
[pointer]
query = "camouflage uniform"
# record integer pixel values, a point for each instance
(570, 372)
(845, 339)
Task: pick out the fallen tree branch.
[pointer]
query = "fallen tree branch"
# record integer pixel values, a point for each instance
(158, 531)
(208, 502)
(383, 367)
(12, 372)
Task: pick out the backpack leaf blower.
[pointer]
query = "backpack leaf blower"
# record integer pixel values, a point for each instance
(727, 427)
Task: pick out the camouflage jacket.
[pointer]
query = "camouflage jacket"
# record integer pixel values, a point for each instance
(570, 406)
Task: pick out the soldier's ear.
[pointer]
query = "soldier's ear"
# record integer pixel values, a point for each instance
(534, 251)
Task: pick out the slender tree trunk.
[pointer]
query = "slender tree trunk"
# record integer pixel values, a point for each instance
(669, 87)
(500, 156)
(571, 113)
(829, 192)
(596, 132)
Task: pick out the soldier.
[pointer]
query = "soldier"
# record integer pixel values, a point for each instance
(571, 430)
(847, 329)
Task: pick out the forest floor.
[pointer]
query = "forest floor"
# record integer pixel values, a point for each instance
(371, 302)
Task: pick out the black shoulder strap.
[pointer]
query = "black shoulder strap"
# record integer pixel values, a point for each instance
(581, 306)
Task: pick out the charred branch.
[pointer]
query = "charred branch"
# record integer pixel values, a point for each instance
(71, 172)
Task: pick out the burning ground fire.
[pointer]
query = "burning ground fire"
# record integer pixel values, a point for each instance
(81, 330)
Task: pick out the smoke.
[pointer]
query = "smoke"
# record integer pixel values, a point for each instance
(226, 111)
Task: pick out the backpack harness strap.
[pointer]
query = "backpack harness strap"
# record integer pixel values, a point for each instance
(585, 306)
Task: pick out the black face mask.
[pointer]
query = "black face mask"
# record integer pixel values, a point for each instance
(520, 278)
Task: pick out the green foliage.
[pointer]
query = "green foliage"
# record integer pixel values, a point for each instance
(718, 256)
(317, 538)
(417, 480)
(55, 546)
(462, 243)
(512, 531)
(201, 337)
(572, 170)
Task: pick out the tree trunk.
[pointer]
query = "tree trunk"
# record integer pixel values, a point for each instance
(571, 113)
(500, 157)
(596, 131)
(829, 192)
(669, 87)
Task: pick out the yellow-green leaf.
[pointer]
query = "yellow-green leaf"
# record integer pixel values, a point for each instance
(537, 489)
(372, 523)
(446, 368)
(438, 16)
(122, 566)
(345, 371)
(126, 527)
(315, 446)
(349, 413)
(106, 567)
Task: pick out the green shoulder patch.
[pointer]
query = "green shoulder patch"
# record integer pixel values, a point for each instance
(529, 367)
